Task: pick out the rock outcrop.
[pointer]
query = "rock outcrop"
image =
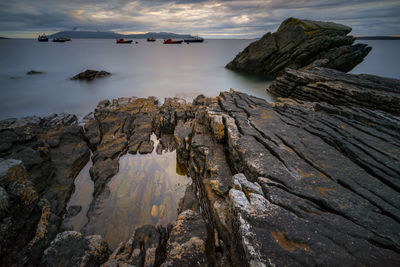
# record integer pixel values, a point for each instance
(285, 183)
(122, 126)
(41, 158)
(71, 249)
(338, 88)
(319, 183)
(90, 75)
(299, 43)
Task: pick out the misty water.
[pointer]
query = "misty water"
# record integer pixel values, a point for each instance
(143, 69)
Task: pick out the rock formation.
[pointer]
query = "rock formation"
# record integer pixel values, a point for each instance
(291, 182)
(338, 88)
(71, 249)
(40, 160)
(90, 75)
(299, 43)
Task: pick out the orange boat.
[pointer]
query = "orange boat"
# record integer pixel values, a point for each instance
(122, 41)
(170, 41)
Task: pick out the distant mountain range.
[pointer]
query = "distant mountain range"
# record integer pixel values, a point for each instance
(378, 37)
(113, 35)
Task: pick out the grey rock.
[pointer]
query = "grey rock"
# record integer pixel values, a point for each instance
(326, 85)
(70, 248)
(299, 43)
(4, 200)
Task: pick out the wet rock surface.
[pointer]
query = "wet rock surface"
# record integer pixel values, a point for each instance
(338, 88)
(144, 248)
(90, 75)
(298, 43)
(40, 159)
(70, 248)
(122, 126)
(285, 183)
(329, 179)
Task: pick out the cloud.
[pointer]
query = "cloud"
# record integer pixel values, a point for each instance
(209, 18)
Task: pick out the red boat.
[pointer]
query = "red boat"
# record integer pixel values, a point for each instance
(122, 41)
(170, 41)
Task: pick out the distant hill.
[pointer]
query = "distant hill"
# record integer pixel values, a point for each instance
(378, 37)
(113, 35)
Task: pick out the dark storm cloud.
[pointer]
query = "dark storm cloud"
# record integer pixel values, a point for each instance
(211, 18)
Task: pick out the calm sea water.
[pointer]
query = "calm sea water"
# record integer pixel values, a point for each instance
(143, 69)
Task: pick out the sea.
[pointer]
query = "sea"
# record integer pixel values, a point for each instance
(143, 69)
(147, 188)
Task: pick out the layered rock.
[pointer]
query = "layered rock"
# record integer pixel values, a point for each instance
(146, 247)
(338, 88)
(320, 182)
(42, 156)
(298, 43)
(70, 248)
(285, 183)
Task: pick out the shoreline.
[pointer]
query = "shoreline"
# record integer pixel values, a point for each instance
(301, 180)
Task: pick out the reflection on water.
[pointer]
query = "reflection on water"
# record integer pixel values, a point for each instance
(82, 196)
(146, 190)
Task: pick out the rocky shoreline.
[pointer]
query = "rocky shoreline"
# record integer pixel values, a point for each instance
(312, 179)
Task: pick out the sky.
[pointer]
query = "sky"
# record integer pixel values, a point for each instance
(207, 18)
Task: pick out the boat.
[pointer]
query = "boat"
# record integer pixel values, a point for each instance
(170, 41)
(151, 40)
(194, 40)
(43, 38)
(67, 39)
(59, 40)
(122, 41)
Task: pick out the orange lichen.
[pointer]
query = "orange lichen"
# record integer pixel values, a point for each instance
(287, 244)
(323, 191)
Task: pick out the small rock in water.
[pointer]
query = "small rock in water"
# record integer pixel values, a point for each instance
(90, 75)
(31, 72)
(73, 211)
(154, 211)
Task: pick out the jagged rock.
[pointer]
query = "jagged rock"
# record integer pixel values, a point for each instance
(189, 200)
(26, 223)
(338, 88)
(42, 156)
(145, 248)
(285, 183)
(298, 43)
(90, 75)
(329, 183)
(187, 243)
(70, 248)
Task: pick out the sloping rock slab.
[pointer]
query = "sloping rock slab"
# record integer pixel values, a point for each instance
(329, 177)
(298, 43)
(335, 87)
